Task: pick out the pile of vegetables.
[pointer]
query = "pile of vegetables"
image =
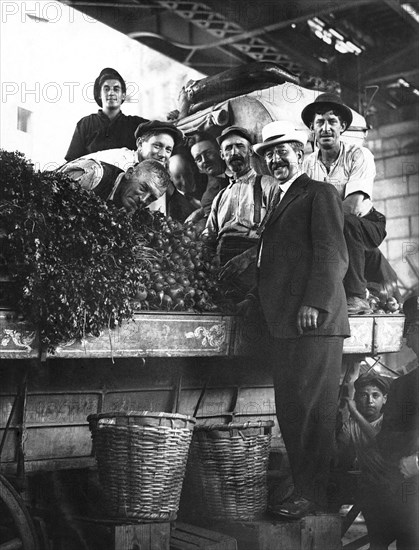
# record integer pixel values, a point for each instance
(77, 265)
(181, 275)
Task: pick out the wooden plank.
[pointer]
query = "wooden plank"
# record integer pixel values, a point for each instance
(190, 537)
(361, 337)
(158, 335)
(148, 536)
(388, 333)
(17, 339)
(190, 335)
(315, 532)
(321, 532)
(55, 442)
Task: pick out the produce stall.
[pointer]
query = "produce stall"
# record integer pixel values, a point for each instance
(118, 315)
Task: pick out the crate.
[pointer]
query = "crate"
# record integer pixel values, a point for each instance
(314, 532)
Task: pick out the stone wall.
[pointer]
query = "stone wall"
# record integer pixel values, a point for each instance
(396, 194)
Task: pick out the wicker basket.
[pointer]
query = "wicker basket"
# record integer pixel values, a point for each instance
(141, 459)
(228, 466)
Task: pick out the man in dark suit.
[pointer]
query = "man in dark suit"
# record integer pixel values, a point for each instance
(302, 260)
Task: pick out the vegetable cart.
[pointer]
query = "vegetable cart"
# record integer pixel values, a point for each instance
(45, 400)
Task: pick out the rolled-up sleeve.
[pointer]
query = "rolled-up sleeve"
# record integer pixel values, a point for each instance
(362, 173)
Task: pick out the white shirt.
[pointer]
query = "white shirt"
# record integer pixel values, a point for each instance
(122, 157)
(352, 172)
(232, 210)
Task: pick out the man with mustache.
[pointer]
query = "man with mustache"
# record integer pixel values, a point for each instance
(302, 259)
(237, 212)
(206, 154)
(109, 127)
(351, 170)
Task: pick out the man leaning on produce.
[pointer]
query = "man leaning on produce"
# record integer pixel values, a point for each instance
(155, 140)
(140, 185)
(302, 260)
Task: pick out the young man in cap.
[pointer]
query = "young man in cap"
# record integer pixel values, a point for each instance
(238, 210)
(158, 140)
(140, 185)
(109, 127)
(399, 444)
(357, 440)
(302, 259)
(351, 170)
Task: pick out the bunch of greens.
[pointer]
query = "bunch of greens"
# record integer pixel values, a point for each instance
(74, 260)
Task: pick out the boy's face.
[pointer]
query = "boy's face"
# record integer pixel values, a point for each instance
(158, 147)
(369, 402)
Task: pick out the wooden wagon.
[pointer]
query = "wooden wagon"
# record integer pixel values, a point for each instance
(44, 401)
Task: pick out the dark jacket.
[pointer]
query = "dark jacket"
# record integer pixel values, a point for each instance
(178, 206)
(97, 132)
(303, 261)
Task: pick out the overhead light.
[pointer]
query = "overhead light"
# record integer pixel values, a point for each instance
(333, 37)
(408, 8)
(337, 34)
(403, 82)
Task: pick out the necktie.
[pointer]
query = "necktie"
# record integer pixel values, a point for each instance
(271, 209)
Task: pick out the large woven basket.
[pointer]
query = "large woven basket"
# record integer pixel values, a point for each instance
(228, 466)
(141, 459)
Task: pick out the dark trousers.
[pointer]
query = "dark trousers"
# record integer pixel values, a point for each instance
(392, 515)
(306, 373)
(363, 236)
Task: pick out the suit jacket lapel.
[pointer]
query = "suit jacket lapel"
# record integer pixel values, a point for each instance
(293, 192)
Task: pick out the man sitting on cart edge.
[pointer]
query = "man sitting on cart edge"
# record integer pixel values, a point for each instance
(140, 185)
(237, 212)
(351, 170)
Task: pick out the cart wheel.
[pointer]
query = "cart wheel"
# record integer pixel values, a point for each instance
(16, 527)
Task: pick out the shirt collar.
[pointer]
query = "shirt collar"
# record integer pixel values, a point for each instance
(243, 177)
(341, 147)
(285, 186)
(116, 185)
(105, 116)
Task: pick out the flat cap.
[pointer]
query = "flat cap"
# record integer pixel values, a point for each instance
(160, 127)
(234, 130)
(373, 379)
